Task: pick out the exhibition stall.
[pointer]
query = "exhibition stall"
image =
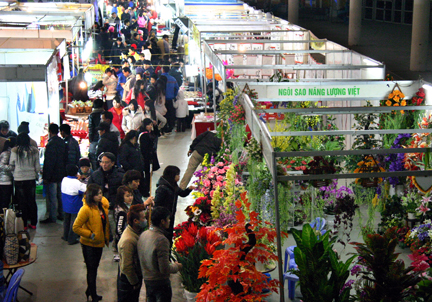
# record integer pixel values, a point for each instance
(29, 81)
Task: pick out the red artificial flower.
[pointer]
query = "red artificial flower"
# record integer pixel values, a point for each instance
(188, 240)
(193, 230)
(180, 246)
(210, 248)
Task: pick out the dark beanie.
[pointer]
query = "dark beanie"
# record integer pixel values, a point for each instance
(24, 128)
(84, 162)
(147, 121)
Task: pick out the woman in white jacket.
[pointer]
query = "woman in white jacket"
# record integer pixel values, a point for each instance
(182, 111)
(25, 159)
(110, 81)
(133, 116)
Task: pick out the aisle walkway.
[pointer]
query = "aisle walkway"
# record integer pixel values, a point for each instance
(59, 273)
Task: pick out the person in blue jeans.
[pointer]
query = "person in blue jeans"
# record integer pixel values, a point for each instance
(171, 92)
(54, 169)
(72, 194)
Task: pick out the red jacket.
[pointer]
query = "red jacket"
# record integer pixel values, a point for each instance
(117, 121)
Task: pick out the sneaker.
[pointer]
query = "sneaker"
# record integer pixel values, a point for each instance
(116, 258)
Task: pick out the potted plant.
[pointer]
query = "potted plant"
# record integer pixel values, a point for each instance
(345, 212)
(410, 203)
(380, 275)
(192, 247)
(319, 165)
(231, 273)
(322, 276)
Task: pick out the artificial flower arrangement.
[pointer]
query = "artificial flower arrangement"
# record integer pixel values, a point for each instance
(192, 247)
(319, 165)
(237, 115)
(396, 161)
(411, 201)
(231, 273)
(420, 240)
(329, 196)
(226, 106)
(200, 211)
(367, 165)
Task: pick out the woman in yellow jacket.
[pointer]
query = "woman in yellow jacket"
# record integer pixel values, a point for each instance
(93, 227)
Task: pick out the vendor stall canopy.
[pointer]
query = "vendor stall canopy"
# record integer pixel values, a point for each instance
(44, 20)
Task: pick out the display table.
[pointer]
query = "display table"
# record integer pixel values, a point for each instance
(13, 268)
(202, 123)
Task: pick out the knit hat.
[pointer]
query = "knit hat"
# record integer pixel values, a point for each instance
(139, 70)
(84, 162)
(180, 95)
(24, 128)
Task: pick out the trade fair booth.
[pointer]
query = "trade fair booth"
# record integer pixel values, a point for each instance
(29, 81)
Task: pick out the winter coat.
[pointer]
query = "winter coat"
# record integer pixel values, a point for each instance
(72, 191)
(177, 75)
(160, 106)
(120, 218)
(93, 123)
(108, 181)
(140, 98)
(132, 121)
(182, 108)
(108, 142)
(172, 87)
(146, 141)
(26, 168)
(117, 121)
(73, 150)
(54, 168)
(153, 253)
(128, 250)
(128, 85)
(89, 221)
(167, 195)
(130, 157)
(5, 168)
(110, 83)
(206, 142)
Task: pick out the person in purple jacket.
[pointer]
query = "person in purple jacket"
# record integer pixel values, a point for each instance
(72, 191)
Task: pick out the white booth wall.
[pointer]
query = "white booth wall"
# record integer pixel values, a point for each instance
(30, 101)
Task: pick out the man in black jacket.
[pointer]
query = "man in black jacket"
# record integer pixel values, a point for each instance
(108, 140)
(176, 73)
(54, 169)
(73, 149)
(93, 122)
(204, 143)
(109, 178)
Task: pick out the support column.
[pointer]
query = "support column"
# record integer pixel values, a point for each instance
(293, 11)
(354, 31)
(420, 35)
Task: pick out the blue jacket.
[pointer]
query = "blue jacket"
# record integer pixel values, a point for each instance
(121, 79)
(172, 87)
(72, 194)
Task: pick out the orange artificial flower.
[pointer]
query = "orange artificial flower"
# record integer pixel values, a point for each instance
(388, 103)
(403, 103)
(396, 105)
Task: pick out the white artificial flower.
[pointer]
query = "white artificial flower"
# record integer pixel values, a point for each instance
(197, 212)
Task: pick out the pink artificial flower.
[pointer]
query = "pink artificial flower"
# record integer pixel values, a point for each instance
(226, 168)
(426, 199)
(304, 163)
(210, 175)
(220, 178)
(221, 171)
(220, 164)
(224, 183)
(206, 183)
(219, 184)
(211, 193)
(292, 161)
(423, 208)
(213, 169)
(303, 168)
(419, 262)
(289, 166)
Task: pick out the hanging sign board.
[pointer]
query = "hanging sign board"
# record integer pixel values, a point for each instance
(377, 90)
(180, 24)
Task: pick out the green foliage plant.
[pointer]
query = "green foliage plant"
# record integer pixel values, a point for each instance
(321, 275)
(384, 278)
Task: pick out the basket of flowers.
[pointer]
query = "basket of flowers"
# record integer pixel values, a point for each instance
(319, 165)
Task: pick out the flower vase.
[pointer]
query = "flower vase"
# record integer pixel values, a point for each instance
(411, 216)
(190, 297)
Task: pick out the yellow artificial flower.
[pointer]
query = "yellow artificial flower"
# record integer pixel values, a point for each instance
(375, 200)
(403, 103)
(396, 99)
(402, 95)
(388, 103)
(402, 112)
(396, 105)
(391, 95)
